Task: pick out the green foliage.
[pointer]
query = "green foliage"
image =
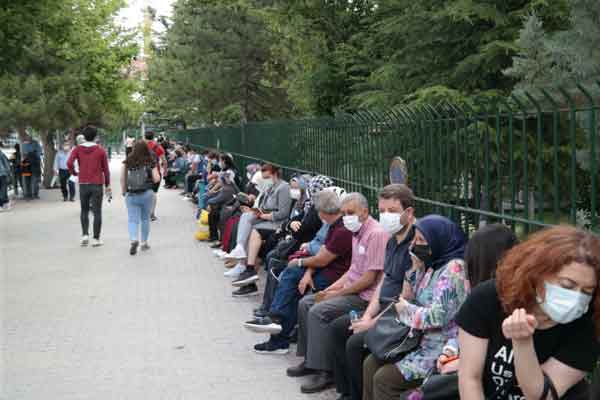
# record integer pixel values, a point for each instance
(214, 58)
(559, 57)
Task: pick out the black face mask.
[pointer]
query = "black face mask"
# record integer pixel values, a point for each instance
(423, 253)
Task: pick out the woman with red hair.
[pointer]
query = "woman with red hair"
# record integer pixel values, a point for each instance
(532, 333)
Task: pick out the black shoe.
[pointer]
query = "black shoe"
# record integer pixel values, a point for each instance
(247, 277)
(71, 199)
(64, 199)
(153, 218)
(215, 245)
(300, 370)
(264, 325)
(133, 248)
(260, 312)
(246, 291)
(270, 348)
(322, 381)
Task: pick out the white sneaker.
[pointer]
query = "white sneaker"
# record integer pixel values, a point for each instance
(219, 253)
(97, 243)
(235, 271)
(237, 253)
(85, 240)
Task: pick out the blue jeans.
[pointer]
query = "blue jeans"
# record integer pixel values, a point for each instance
(139, 206)
(287, 297)
(201, 195)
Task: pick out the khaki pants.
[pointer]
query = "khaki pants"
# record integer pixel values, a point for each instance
(384, 381)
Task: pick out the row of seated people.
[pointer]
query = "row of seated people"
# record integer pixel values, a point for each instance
(518, 321)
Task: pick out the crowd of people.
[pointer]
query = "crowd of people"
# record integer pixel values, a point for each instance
(393, 307)
(399, 306)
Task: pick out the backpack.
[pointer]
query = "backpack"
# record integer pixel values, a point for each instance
(137, 180)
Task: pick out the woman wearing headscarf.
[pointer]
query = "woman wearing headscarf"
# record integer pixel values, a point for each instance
(435, 288)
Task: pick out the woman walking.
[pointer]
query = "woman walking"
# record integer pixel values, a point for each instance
(139, 173)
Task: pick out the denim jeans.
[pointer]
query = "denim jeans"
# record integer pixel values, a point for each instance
(139, 206)
(287, 296)
(3, 190)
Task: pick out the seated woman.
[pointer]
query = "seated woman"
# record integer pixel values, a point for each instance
(268, 211)
(177, 167)
(218, 199)
(483, 252)
(536, 326)
(269, 215)
(435, 288)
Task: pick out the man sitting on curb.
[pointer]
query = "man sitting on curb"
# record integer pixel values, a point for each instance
(305, 274)
(351, 292)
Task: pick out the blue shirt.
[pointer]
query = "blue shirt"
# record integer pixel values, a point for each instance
(60, 161)
(32, 146)
(315, 244)
(397, 262)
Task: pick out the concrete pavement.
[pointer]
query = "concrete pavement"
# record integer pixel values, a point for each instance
(98, 324)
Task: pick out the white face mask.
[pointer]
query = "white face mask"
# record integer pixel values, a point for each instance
(221, 165)
(267, 183)
(564, 305)
(295, 194)
(352, 223)
(391, 222)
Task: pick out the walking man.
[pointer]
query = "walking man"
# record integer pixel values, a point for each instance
(62, 171)
(93, 173)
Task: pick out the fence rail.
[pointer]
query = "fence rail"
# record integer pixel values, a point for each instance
(530, 160)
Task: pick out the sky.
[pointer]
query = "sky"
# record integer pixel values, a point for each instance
(133, 15)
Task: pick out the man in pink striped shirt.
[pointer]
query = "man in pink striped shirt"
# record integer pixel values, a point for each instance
(350, 293)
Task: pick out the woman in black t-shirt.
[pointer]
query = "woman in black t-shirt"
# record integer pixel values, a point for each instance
(530, 329)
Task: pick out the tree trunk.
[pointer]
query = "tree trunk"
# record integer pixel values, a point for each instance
(47, 139)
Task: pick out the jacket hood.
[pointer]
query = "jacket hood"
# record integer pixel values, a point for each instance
(89, 148)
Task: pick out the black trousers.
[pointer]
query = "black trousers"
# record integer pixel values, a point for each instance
(213, 223)
(350, 353)
(63, 176)
(91, 199)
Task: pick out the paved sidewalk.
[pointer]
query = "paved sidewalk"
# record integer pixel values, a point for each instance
(98, 324)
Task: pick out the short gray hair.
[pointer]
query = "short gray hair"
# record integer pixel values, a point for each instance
(328, 202)
(357, 197)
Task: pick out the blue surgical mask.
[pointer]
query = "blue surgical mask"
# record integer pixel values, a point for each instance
(564, 305)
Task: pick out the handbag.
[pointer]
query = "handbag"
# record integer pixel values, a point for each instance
(441, 387)
(390, 340)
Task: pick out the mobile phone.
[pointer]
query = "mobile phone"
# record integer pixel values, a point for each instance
(353, 316)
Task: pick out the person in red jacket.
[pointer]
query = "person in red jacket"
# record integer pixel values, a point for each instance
(159, 152)
(93, 174)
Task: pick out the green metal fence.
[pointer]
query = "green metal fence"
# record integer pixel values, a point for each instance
(530, 160)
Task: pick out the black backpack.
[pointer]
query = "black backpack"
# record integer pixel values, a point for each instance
(138, 180)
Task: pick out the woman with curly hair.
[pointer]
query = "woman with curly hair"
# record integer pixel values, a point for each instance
(532, 333)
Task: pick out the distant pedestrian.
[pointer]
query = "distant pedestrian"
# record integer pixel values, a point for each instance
(15, 161)
(93, 173)
(67, 186)
(159, 152)
(129, 145)
(5, 175)
(138, 175)
(31, 153)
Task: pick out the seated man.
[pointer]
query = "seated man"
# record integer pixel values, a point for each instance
(396, 210)
(352, 292)
(304, 275)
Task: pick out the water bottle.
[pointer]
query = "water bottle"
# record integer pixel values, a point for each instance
(353, 316)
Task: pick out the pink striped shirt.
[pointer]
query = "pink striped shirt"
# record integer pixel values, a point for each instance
(368, 253)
